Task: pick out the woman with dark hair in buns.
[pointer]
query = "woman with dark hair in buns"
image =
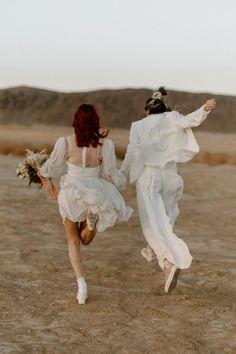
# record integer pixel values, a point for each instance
(156, 144)
(88, 199)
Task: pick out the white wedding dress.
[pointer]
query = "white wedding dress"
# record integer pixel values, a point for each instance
(157, 143)
(92, 188)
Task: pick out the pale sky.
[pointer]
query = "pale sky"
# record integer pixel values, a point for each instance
(79, 45)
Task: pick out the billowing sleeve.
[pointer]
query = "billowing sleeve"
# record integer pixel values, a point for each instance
(129, 156)
(109, 170)
(56, 158)
(191, 120)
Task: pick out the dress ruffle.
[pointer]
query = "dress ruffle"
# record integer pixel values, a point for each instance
(78, 194)
(93, 188)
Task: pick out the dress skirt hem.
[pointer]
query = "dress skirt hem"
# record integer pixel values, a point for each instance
(85, 190)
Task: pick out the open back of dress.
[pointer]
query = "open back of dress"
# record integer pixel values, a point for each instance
(83, 156)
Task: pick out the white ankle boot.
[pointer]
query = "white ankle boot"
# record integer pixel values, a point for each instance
(82, 294)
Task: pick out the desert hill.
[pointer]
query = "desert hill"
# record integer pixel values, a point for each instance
(118, 108)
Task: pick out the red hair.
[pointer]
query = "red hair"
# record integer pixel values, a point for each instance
(86, 125)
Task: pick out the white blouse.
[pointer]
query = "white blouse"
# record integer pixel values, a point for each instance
(108, 168)
(161, 138)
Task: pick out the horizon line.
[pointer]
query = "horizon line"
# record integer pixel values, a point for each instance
(44, 88)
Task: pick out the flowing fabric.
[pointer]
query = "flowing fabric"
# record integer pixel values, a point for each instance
(93, 188)
(158, 191)
(160, 138)
(156, 144)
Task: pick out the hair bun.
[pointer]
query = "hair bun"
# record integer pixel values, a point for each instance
(162, 91)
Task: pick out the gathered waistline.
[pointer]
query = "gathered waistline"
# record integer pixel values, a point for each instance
(91, 172)
(166, 166)
(78, 171)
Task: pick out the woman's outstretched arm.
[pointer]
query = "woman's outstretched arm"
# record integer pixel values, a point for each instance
(195, 118)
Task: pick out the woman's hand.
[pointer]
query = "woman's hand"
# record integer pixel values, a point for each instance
(209, 105)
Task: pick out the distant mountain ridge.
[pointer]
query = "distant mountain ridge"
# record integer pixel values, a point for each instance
(118, 108)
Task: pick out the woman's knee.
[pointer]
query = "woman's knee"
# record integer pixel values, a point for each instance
(70, 224)
(86, 240)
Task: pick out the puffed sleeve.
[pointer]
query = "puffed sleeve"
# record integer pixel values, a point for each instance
(191, 120)
(108, 166)
(56, 158)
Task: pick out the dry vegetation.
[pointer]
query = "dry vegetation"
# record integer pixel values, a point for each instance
(215, 148)
(34, 118)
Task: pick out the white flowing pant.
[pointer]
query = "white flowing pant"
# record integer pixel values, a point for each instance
(158, 191)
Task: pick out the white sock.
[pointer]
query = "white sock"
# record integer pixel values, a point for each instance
(81, 282)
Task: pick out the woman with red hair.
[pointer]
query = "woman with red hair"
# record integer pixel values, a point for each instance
(88, 199)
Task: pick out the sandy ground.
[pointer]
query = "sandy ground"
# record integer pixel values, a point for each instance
(127, 311)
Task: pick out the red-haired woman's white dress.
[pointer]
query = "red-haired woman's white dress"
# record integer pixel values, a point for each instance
(89, 188)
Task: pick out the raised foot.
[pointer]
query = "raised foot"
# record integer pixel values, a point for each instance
(148, 254)
(91, 220)
(171, 273)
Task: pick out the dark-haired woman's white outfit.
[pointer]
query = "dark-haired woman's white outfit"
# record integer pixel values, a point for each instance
(157, 143)
(88, 188)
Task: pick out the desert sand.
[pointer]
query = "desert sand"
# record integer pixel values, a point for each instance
(127, 311)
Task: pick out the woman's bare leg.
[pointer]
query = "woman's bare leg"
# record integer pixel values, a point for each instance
(85, 234)
(73, 240)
